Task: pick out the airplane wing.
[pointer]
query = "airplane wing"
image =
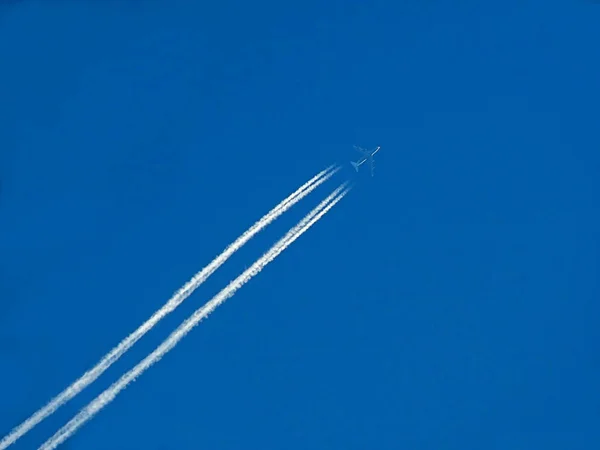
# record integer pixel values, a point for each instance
(361, 150)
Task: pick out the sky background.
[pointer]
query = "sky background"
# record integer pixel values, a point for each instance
(450, 302)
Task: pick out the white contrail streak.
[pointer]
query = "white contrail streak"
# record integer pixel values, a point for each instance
(109, 394)
(110, 358)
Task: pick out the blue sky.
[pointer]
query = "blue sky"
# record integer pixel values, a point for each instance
(449, 302)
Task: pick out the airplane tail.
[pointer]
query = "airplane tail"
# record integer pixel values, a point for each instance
(355, 165)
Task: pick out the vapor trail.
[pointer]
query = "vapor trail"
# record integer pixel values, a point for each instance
(110, 358)
(109, 394)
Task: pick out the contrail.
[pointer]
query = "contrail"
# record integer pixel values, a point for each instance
(110, 358)
(109, 394)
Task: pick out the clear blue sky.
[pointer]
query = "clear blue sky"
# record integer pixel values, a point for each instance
(450, 302)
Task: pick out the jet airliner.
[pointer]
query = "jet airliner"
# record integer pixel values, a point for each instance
(367, 156)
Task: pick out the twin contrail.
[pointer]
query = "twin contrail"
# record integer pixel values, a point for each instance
(110, 358)
(109, 394)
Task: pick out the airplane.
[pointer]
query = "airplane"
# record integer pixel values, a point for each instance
(367, 156)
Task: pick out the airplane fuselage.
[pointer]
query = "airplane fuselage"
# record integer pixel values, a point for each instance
(363, 160)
